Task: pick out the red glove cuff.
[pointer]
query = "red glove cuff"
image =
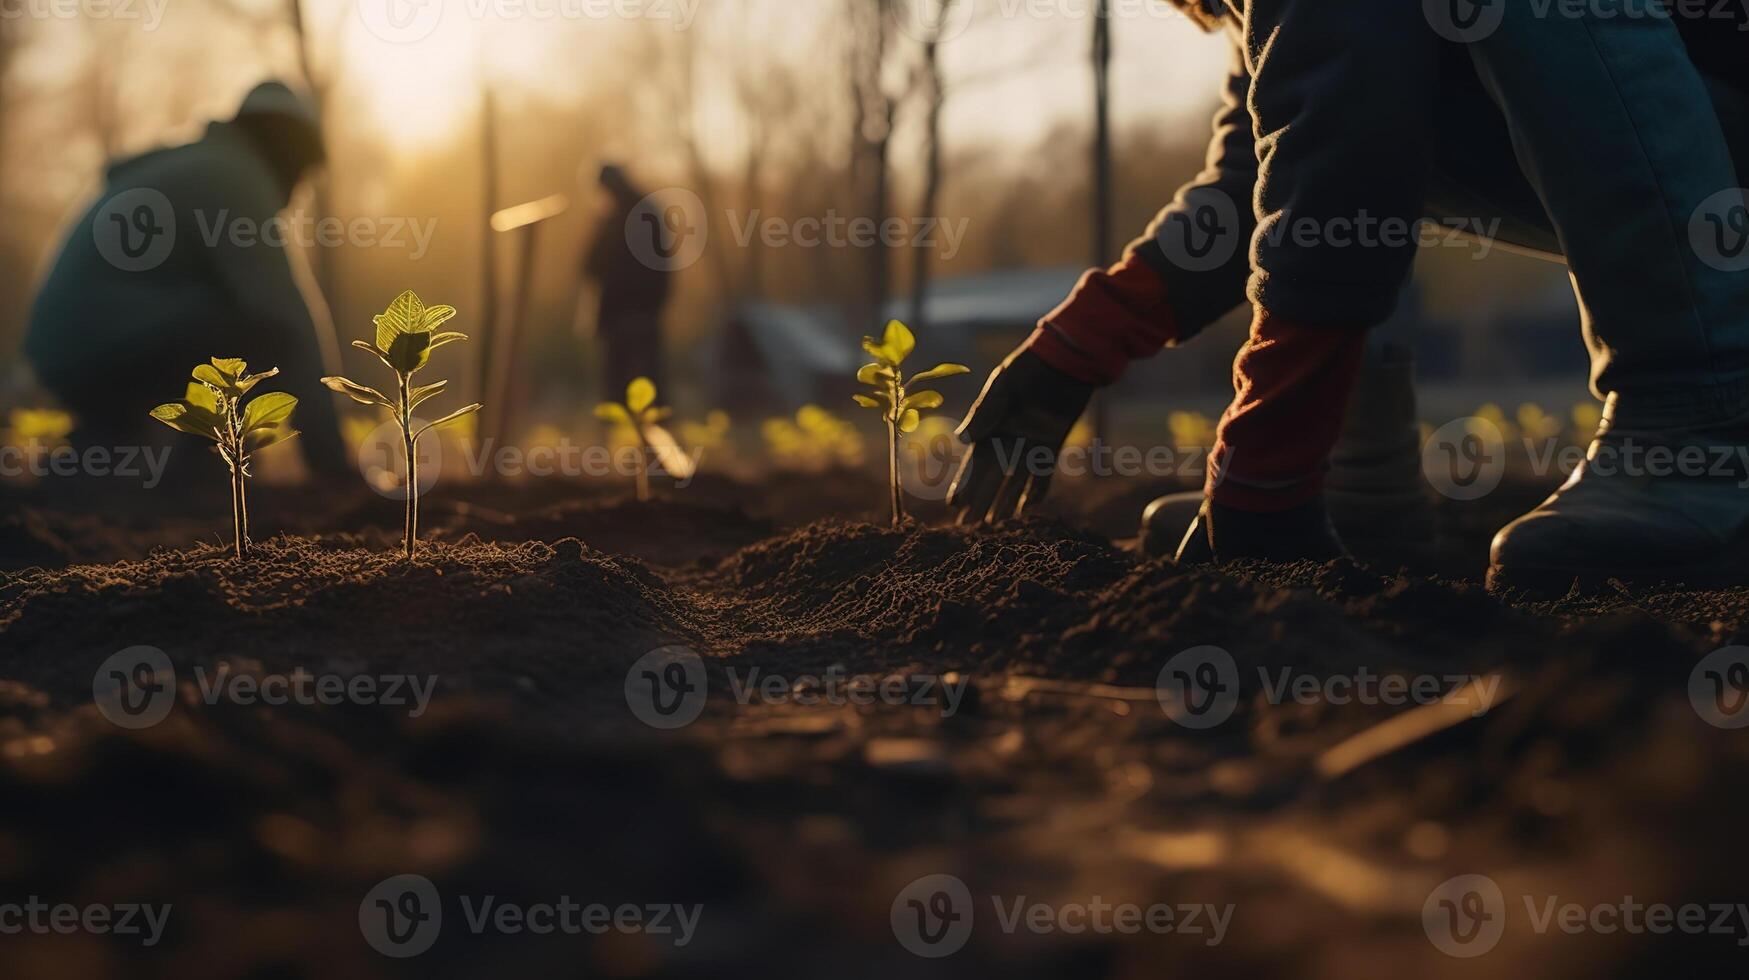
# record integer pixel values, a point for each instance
(1291, 386)
(1112, 317)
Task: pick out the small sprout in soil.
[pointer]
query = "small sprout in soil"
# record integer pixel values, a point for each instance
(405, 337)
(901, 409)
(639, 414)
(213, 409)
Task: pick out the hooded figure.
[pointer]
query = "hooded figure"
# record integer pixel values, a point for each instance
(632, 285)
(179, 260)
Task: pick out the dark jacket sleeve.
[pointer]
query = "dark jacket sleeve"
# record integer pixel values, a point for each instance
(1187, 270)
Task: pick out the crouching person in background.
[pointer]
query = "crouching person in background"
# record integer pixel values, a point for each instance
(150, 281)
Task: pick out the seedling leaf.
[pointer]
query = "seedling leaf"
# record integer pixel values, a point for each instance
(921, 400)
(362, 394)
(362, 345)
(182, 418)
(940, 371)
(435, 316)
(873, 374)
(423, 392)
(909, 420)
(405, 315)
(447, 337)
(640, 394)
(244, 384)
(613, 412)
(206, 374)
(867, 402)
(262, 438)
(231, 367)
(268, 411)
(408, 352)
(451, 417)
(198, 395)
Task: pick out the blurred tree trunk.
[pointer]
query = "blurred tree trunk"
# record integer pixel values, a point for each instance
(935, 96)
(488, 238)
(319, 265)
(873, 110)
(1102, 181)
(1102, 190)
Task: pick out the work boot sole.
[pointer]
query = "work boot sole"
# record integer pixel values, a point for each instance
(1558, 583)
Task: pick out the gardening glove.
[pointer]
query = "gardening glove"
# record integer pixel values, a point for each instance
(1015, 430)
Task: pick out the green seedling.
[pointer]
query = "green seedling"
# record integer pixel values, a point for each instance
(213, 409)
(639, 414)
(406, 334)
(900, 408)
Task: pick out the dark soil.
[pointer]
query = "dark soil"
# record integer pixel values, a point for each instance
(1058, 776)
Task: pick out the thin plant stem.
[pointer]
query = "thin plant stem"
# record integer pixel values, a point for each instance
(643, 474)
(243, 513)
(893, 470)
(233, 455)
(236, 509)
(407, 441)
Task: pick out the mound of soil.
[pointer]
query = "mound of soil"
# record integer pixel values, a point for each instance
(795, 818)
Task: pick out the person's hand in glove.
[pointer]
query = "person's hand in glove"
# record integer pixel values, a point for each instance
(1016, 430)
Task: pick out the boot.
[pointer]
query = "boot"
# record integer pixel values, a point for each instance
(1374, 493)
(1633, 511)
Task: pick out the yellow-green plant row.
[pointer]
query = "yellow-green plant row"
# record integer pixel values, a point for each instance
(213, 408)
(901, 408)
(406, 334)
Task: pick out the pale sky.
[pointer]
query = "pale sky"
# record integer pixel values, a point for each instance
(1016, 72)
